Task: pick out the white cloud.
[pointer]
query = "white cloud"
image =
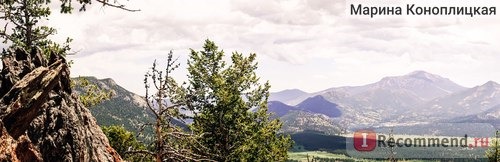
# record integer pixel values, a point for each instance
(306, 44)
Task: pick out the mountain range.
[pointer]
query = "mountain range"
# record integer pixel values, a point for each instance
(416, 98)
(491, 116)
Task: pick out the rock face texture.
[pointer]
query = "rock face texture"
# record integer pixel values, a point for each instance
(40, 118)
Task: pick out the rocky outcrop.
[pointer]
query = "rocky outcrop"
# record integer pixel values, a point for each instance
(40, 118)
(17, 150)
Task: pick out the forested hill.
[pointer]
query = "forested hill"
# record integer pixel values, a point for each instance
(123, 108)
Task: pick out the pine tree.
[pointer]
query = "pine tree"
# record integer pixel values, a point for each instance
(122, 141)
(230, 107)
(23, 18)
(22, 27)
(165, 98)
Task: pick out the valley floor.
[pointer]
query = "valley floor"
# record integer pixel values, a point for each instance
(323, 156)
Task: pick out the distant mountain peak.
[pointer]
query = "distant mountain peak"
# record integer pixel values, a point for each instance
(491, 83)
(94, 79)
(109, 81)
(314, 100)
(419, 72)
(318, 104)
(412, 78)
(489, 86)
(424, 75)
(286, 95)
(279, 109)
(291, 91)
(318, 97)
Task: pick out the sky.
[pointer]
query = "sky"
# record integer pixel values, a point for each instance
(310, 45)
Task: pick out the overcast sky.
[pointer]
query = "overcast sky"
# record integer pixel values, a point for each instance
(306, 44)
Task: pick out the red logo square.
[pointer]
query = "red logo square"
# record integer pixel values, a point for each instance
(365, 140)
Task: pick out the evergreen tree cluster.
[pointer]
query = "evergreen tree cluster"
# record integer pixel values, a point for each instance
(228, 106)
(231, 108)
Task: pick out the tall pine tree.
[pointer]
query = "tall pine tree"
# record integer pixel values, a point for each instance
(165, 98)
(230, 108)
(24, 18)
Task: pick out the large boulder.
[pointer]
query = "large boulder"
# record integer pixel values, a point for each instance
(40, 118)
